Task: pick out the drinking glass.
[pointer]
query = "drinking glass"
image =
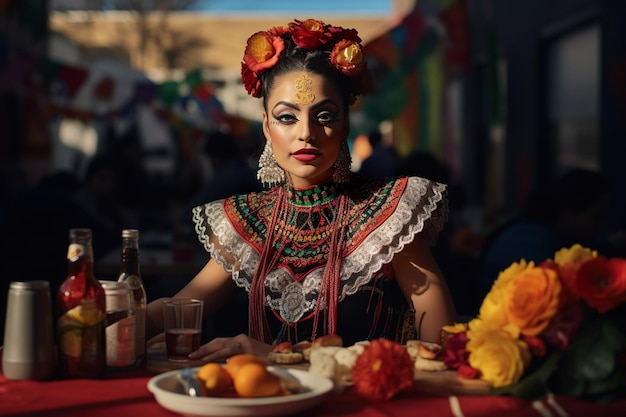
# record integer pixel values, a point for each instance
(182, 319)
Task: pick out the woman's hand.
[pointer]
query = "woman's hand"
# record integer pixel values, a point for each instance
(222, 348)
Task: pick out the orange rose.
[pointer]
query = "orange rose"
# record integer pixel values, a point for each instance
(493, 306)
(532, 299)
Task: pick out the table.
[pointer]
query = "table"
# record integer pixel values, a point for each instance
(126, 394)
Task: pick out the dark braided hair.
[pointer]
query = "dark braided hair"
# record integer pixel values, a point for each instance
(315, 61)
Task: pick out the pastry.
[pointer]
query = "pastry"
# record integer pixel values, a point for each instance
(283, 354)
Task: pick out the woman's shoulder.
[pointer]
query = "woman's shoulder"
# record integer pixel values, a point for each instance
(363, 186)
(367, 187)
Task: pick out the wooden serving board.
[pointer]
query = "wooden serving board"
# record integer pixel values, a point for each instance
(448, 383)
(434, 382)
(428, 382)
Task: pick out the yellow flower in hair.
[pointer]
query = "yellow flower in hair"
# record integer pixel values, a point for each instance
(347, 56)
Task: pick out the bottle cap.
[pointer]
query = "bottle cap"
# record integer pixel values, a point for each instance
(130, 233)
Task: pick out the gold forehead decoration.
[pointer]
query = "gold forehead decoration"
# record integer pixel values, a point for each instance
(304, 90)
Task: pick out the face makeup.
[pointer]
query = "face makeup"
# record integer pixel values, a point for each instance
(304, 91)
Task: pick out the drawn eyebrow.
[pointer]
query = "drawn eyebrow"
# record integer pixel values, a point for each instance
(296, 107)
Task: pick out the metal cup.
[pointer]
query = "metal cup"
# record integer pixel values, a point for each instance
(28, 351)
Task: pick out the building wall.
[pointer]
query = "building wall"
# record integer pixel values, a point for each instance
(522, 31)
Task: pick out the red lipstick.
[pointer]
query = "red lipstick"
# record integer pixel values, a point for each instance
(305, 154)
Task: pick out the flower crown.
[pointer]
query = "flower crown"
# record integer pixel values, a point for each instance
(265, 48)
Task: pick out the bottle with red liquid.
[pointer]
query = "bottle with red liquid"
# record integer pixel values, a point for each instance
(130, 274)
(81, 313)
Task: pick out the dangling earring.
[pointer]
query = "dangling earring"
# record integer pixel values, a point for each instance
(342, 164)
(269, 172)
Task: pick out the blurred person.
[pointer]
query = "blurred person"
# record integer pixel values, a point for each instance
(322, 251)
(573, 208)
(232, 174)
(100, 195)
(383, 161)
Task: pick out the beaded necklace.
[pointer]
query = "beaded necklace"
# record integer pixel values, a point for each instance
(273, 247)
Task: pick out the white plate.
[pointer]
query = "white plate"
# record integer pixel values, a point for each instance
(168, 393)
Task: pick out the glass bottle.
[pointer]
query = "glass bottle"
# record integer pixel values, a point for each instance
(81, 313)
(130, 274)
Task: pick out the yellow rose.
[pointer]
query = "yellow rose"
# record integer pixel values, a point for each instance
(477, 327)
(577, 254)
(492, 308)
(500, 358)
(532, 299)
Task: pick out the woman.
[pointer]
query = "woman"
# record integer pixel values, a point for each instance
(322, 251)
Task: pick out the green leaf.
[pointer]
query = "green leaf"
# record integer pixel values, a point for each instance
(589, 367)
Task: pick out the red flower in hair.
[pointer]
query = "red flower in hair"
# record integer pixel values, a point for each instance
(251, 81)
(278, 30)
(347, 56)
(263, 51)
(310, 33)
(338, 33)
(342, 46)
(601, 282)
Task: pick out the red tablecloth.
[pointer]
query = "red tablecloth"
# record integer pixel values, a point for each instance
(127, 395)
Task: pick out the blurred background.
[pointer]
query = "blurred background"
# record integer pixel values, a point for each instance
(126, 113)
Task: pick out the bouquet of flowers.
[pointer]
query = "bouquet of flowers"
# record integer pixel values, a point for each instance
(557, 327)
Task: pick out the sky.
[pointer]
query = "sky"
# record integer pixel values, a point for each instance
(289, 6)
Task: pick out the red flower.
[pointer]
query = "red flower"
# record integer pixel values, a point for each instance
(338, 33)
(601, 282)
(454, 353)
(568, 274)
(383, 370)
(278, 30)
(467, 372)
(347, 56)
(263, 51)
(535, 344)
(564, 326)
(251, 81)
(310, 33)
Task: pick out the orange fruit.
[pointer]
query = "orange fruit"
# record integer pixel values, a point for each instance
(253, 380)
(215, 380)
(237, 361)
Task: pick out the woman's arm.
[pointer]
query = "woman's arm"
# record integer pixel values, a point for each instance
(422, 283)
(214, 285)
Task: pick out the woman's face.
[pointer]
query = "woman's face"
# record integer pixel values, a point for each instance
(306, 123)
